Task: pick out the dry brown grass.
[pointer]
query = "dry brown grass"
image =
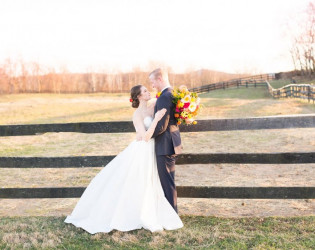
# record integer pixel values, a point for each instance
(64, 108)
(77, 144)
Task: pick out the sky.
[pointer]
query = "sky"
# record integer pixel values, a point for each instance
(239, 36)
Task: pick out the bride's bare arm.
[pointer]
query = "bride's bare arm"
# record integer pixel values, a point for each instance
(139, 125)
(151, 106)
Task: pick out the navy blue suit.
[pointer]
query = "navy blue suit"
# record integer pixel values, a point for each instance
(167, 145)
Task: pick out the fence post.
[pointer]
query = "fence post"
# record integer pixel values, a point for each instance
(309, 93)
(246, 84)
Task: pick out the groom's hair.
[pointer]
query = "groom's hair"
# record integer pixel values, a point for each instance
(159, 72)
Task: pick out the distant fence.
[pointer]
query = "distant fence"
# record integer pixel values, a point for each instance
(302, 192)
(302, 91)
(251, 81)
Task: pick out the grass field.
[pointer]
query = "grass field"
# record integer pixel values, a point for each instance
(198, 233)
(63, 108)
(225, 224)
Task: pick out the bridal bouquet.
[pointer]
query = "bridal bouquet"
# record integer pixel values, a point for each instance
(187, 105)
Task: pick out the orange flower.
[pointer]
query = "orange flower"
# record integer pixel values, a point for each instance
(179, 122)
(176, 115)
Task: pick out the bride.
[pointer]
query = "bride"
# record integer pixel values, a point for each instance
(127, 193)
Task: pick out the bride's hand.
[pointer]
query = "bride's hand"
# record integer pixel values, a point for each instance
(160, 114)
(139, 137)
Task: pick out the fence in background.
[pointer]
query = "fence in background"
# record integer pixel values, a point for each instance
(302, 91)
(251, 81)
(302, 192)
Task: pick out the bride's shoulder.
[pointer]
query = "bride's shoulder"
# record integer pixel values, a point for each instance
(136, 115)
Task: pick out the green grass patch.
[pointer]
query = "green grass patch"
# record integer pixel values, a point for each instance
(198, 232)
(250, 93)
(283, 82)
(279, 83)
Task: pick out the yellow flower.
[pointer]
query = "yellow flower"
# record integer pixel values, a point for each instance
(182, 95)
(194, 122)
(185, 99)
(184, 114)
(158, 94)
(193, 99)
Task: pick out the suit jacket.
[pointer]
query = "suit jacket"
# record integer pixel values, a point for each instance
(166, 134)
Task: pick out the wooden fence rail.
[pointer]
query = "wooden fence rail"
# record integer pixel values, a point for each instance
(303, 121)
(209, 158)
(182, 191)
(272, 122)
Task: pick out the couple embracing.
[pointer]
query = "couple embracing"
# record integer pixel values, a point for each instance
(137, 188)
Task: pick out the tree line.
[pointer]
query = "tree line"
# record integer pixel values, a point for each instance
(22, 77)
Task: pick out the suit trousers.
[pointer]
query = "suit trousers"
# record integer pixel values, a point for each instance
(166, 170)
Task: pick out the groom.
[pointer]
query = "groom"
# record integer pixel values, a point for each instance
(167, 136)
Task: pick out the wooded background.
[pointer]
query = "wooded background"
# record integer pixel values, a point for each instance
(23, 77)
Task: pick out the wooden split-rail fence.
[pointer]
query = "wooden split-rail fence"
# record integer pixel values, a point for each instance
(251, 81)
(301, 91)
(274, 192)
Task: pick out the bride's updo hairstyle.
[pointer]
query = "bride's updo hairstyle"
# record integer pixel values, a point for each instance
(134, 93)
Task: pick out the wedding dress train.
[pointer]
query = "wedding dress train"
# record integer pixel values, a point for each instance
(126, 194)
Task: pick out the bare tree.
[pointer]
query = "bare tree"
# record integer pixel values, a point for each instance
(303, 47)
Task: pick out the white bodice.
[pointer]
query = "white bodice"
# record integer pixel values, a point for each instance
(147, 121)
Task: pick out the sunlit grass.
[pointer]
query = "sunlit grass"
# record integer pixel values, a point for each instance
(80, 144)
(65, 108)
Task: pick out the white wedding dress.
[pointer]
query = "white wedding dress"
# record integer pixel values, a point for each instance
(126, 194)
